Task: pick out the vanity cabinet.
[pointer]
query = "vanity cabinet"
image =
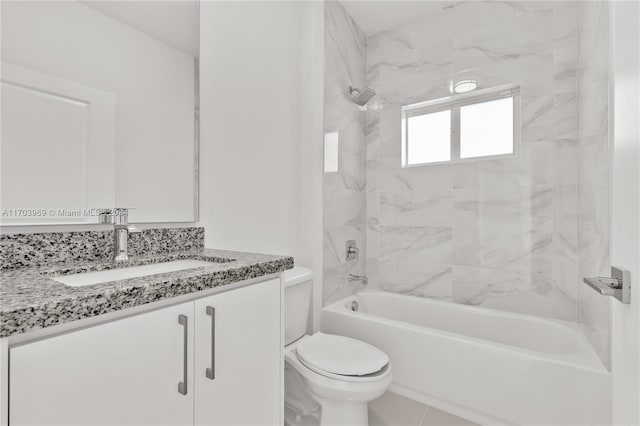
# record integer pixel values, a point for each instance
(151, 368)
(239, 384)
(121, 372)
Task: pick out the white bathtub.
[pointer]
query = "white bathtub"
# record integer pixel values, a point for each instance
(489, 366)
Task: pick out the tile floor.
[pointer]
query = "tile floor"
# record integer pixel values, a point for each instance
(394, 410)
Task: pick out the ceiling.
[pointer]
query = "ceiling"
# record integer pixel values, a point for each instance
(176, 23)
(376, 16)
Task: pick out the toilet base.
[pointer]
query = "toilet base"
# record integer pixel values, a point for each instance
(340, 413)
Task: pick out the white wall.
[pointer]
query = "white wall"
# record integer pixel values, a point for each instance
(625, 237)
(312, 150)
(153, 84)
(260, 146)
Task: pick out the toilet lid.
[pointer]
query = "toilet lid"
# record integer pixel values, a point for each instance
(341, 355)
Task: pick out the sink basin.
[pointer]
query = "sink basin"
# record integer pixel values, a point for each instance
(89, 278)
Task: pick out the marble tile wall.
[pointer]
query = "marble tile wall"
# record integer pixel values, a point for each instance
(593, 170)
(502, 233)
(344, 190)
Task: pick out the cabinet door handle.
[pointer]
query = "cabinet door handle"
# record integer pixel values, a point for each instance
(182, 386)
(211, 372)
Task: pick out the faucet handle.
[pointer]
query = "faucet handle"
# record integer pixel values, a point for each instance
(114, 216)
(105, 216)
(121, 216)
(351, 251)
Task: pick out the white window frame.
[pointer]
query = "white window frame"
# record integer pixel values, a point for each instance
(453, 104)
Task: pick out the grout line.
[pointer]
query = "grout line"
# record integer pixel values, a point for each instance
(424, 415)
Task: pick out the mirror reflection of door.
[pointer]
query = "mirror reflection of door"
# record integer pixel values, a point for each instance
(99, 110)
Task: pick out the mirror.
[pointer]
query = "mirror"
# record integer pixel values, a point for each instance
(99, 109)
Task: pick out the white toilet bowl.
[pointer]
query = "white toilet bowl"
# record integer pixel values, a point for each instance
(341, 374)
(328, 379)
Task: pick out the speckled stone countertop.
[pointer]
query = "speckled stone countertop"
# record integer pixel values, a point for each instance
(30, 299)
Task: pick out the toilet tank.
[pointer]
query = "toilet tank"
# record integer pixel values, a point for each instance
(297, 299)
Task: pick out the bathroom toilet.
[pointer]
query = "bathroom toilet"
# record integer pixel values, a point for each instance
(328, 378)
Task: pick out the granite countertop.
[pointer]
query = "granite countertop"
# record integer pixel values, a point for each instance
(30, 299)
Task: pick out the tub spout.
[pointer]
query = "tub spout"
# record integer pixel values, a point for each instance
(362, 278)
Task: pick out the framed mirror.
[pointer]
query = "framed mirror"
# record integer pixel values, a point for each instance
(99, 109)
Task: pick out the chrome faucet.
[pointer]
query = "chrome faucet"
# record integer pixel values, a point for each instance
(121, 229)
(362, 278)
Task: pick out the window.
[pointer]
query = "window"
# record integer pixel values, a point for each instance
(476, 125)
(429, 137)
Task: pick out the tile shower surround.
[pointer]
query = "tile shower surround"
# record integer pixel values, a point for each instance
(502, 233)
(345, 190)
(493, 233)
(593, 171)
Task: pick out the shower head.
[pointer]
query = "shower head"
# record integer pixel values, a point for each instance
(361, 97)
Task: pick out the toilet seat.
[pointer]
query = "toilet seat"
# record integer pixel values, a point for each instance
(368, 378)
(342, 358)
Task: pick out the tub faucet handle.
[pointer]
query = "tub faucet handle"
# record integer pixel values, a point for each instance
(351, 250)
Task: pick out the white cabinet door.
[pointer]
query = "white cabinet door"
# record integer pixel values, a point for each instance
(125, 372)
(243, 383)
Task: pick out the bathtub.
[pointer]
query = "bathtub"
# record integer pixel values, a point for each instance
(489, 366)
